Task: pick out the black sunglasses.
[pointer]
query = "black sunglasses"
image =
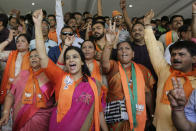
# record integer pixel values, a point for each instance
(67, 33)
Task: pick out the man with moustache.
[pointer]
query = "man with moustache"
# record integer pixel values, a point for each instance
(98, 36)
(171, 36)
(141, 55)
(183, 56)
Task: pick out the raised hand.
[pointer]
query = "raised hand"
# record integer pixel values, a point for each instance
(11, 35)
(148, 17)
(88, 28)
(123, 4)
(194, 7)
(69, 40)
(37, 16)
(111, 33)
(4, 120)
(177, 96)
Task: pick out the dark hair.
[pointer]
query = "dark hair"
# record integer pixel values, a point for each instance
(29, 18)
(102, 18)
(11, 17)
(173, 17)
(44, 12)
(70, 19)
(153, 22)
(4, 19)
(98, 22)
(45, 21)
(27, 37)
(165, 18)
(66, 27)
(188, 21)
(188, 45)
(32, 50)
(89, 41)
(86, 12)
(107, 17)
(51, 15)
(22, 17)
(139, 18)
(77, 13)
(183, 28)
(136, 24)
(88, 19)
(125, 42)
(85, 70)
(134, 18)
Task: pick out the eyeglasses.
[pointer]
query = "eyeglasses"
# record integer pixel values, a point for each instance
(118, 17)
(67, 33)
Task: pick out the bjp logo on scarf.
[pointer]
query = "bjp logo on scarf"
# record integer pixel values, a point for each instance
(68, 81)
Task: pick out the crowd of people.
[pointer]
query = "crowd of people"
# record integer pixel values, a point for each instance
(74, 71)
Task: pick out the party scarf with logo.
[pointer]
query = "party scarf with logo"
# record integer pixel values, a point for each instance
(9, 71)
(65, 98)
(168, 38)
(137, 97)
(32, 87)
(168, 84)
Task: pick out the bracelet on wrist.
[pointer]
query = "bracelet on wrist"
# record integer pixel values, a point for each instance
(194, 13)
(60, 63)
(177, 108)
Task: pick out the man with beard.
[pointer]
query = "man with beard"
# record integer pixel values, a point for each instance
(98, 36)
(48, 43)
(183, 56)
(171, 36)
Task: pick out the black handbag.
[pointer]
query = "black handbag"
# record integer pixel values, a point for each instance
(115, 111)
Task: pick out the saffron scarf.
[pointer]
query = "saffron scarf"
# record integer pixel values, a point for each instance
(65, 98)
(32, 87)
(168, 38)
(135, 99)
(60, 48)
(9, 72)
(98, 48)
(168, 84)
(96, 71)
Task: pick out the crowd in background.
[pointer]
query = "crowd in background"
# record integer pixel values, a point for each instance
(82, 71)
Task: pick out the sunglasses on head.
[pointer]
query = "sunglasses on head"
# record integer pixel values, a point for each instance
(67, 33)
